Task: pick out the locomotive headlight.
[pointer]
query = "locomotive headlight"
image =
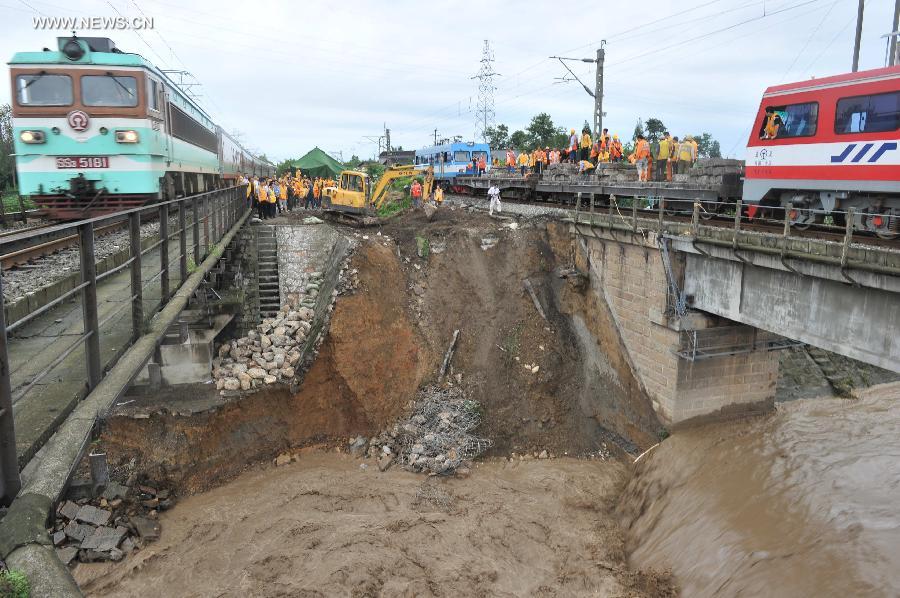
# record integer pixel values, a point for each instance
(127, 136)
(32, 136)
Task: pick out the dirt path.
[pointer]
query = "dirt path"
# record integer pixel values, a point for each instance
(325, 527)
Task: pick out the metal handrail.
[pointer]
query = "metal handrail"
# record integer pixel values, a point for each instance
(218, 210)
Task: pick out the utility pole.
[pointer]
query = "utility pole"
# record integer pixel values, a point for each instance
(859, 23)
(387, 139)
(435, 136)
(895, 26)
(484, 115)
(597, 92)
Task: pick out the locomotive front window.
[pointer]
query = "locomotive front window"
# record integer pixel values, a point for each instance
(44, 90)
(109, 91)
(460, 156)
(868, 114)
(791, 120)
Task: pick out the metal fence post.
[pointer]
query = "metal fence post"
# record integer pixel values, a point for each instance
(592, 209)
(206, 241)
(164, 253)
(137, 294)
(737, 223)
(195, 205)
(182, 241)
(634, 226)
(577, 205)
(10, 483)
(89, 304)
(848, 236)
(660, 206)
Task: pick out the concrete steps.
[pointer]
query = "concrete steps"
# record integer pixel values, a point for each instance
(267, 265)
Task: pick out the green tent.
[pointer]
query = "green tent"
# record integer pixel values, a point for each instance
(317, 163)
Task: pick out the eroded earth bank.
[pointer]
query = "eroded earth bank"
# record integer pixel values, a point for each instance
(553, 391)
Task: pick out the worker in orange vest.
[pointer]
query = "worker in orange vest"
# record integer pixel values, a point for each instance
(642, 158)
(510, 161)
(615, 149)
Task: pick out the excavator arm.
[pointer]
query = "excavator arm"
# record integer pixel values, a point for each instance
(379, 193)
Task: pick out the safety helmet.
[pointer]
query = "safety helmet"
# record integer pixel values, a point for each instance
(571, 131)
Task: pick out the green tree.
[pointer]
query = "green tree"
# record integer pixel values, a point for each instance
(638, 128)
(519, 140)
(707, 147)
(353, 162)
(541, 131)
(497, 137)
(655, 129)
(283, 167)
(7, 162)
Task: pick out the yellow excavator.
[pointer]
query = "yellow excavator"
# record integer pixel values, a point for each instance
(355, 194)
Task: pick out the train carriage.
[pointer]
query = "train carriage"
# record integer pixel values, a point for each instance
(98, 130)
(827, 145)
(452, 159)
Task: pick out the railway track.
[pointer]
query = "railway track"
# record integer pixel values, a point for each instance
(823, 232)
(22, 246)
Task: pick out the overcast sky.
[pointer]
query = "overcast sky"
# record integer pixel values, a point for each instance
(293, 75)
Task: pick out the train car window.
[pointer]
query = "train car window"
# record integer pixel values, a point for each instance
(479, 154)
(791, 120)
(42, 89)
(153, 95)
(109, 91)
(868, 114)
(460, 156)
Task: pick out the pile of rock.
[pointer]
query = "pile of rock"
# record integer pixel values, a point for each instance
(266, 355)
(349, 282)
(436, 438)
(110, 525)
(272, 352)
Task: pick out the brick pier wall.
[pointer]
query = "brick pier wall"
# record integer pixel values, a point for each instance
(629, 275)
(302, 250)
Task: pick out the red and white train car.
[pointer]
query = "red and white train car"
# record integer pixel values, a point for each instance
(826, 145)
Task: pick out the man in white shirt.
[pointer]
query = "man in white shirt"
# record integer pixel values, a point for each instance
(494, 194)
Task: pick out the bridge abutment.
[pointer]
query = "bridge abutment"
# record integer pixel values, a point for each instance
(691, 366)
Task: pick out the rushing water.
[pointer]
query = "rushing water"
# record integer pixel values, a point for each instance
(805, 502)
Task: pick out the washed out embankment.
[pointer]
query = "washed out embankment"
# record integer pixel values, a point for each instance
(358, 383)
(557, 384)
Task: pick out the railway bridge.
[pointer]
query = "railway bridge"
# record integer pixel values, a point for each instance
(701, 310)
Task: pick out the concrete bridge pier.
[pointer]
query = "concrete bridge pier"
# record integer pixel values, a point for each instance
(691, 364)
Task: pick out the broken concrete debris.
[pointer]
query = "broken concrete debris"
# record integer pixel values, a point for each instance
(436, 438)
(110, 525)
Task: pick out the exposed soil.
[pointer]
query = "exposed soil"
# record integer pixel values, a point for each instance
(563, 406)
(368, 368)
(324, 527)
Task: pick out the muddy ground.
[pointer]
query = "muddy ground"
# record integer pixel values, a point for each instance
(555, 382)
(325, 527)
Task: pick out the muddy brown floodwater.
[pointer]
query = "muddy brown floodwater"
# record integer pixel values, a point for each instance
(801, 503)
(325, 527)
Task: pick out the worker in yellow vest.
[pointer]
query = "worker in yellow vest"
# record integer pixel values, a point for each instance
(663, 170)
(585, 143)
(439, 195)
(687, 155)
(523, 162)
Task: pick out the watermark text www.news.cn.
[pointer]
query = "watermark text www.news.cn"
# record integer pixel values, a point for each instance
(93, 23)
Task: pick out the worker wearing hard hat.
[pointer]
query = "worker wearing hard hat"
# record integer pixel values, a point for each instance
(663, 153)
(642, 158)
(585, 144)
(615, 149)
(687, 154)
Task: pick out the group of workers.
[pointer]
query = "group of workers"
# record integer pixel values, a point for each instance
(273, 196)
(668, 154)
